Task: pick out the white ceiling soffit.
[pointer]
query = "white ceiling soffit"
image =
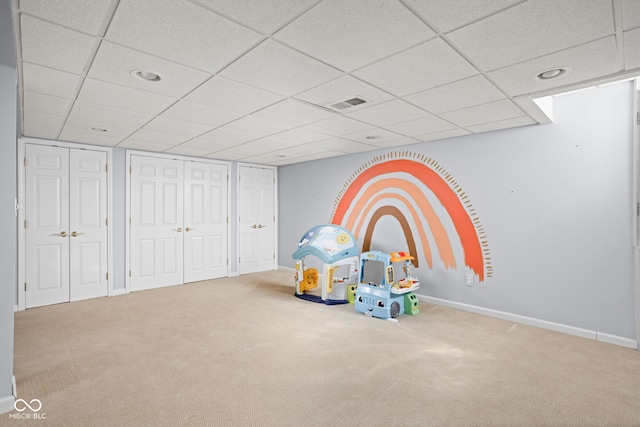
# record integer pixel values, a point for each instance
(286, 81)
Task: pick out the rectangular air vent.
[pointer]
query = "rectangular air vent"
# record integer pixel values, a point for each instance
(348, 103)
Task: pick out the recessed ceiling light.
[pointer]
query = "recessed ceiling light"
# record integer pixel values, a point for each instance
(148, 76)
(99, 129)
(372, 137)
(552, 73)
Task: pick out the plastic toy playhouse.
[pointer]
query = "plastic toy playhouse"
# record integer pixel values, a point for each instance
(388, 298)
(335, 247)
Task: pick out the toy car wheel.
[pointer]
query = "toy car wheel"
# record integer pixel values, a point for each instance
(395, 309)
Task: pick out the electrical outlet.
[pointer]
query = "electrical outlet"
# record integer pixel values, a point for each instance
(468, 279)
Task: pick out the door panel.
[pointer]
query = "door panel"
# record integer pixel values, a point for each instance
(256, 224)
(156, 222)
(87, 222)
(47, 227)
(205, 223)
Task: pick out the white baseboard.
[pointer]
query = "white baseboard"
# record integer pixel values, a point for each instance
(557, 327)
(16, 308)
(234, 274)
(6, 404)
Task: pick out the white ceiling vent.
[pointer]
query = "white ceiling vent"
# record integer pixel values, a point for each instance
(347, 103)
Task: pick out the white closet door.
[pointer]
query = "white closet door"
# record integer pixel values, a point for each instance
(256, 209)
(87, 224)
(156, 222)
(47, 226)
(205, 221)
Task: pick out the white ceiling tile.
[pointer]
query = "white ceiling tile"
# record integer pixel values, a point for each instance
(343, 145)
(230, 95)
(351, 34)
(343, 88)
(188, 151)
(45, 103)
(115, 64)
(223, 137)
(48, 81)
(299, 136)
(34, 118)
(338, 126)
(110, 95)
(294, 113)
(53, 46)
(259, 146)
(421, 126)
(221, 155)
(447, 15)
(631, 49)
(586, 62)
(77, 14)
(492, 112)
(388, 113)
(138, 144)
(393, 142)
(88, 126)
(630, 14)
(176, 127)
(264, 16)
(464, 93)
(280, 69)
(110, 116)
(200, 114)
(47, 132)
(160, 138)
(425, 66)
(180, 31)
(502, 124)
(256, 126)
(373, 136)
(89, 138)
(532, 29)
(444, 134)
(303, 150)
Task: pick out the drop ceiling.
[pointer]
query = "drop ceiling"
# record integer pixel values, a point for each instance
(257, 81)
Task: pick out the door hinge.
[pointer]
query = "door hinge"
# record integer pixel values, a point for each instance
(106, 222)
(107, 276)
(106, 168)
(25, 223)
(25, 161)
(274, 255)
(239, 260)
(638, 118)
(227, 261)
(129, 273)
(129, 220)
(25, 286)
(637, 212)
(130, 170)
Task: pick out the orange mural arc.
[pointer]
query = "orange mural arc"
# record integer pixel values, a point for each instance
(416, 219)
(452, 200)
(439, 233)
(394, 212)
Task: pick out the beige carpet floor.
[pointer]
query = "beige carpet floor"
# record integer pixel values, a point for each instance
(245, 352)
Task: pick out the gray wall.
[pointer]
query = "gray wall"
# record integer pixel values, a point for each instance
(554, 201)
(8, 193)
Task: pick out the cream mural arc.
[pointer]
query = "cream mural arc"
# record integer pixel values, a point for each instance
(436, 216)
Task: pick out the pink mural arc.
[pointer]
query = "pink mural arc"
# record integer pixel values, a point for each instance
(365, 188)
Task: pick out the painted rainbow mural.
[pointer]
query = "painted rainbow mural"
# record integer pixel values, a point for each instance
(408, 186)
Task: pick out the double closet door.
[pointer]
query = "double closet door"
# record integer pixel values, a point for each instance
(65, 224)
(178, 222)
